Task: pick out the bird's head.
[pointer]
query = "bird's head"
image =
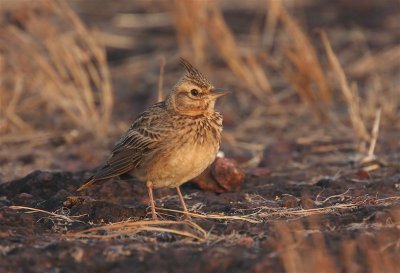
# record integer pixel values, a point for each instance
(193, 94)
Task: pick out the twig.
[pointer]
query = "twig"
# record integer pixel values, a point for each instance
(160, 96)
(60, 216)
(375, 133)
(216, 216)
(333, 196)
(133, 227)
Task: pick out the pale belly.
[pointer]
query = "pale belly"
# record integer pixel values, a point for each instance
(179, 165)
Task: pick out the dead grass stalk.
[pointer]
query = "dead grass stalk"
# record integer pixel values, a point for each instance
(160, 95)
(349, 94)
(53, 215)
(183, 228)
(200, 24)
(246, 218)
(50, 55)
(265, 212)
(304, 70)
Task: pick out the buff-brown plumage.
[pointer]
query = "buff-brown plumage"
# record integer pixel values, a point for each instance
(172, 141)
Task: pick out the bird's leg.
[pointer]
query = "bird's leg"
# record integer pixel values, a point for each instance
(183, 203)
(149, 185)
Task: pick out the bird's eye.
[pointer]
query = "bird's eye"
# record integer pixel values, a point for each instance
(194, 92)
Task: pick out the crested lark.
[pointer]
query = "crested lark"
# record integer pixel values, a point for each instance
(171, 142)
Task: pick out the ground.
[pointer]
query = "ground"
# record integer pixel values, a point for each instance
(317, 195)
(305, 211)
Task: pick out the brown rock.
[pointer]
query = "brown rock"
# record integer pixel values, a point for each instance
(227, 173)
(223, 175)
(364, 175)
(206, 182)
(307, 203)
(260, 172)
(289, 201)
(246, 241)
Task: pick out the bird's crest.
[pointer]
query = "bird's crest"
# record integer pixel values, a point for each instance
(194, 75)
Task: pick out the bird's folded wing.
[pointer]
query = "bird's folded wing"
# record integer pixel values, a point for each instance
(143, 136)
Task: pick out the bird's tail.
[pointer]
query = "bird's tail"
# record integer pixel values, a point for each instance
(87, 184)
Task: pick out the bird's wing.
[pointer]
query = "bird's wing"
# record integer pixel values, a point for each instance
(142, 137)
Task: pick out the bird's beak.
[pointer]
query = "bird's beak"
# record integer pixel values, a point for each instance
(218, 92)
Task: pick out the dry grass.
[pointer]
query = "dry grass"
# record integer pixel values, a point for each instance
(60, 219)
(202, 30)
(160, 95)
(303, 68)
(184, 228)
(190, 229)
(201, 24)
(349, 94)
(300, 253)
(382, 92)
(128, 228)
(265, 212)
(302, 248)
(51, 63)
(188, 16)
(300, 241)
(60, 67)
(251, 218)
(58, 215)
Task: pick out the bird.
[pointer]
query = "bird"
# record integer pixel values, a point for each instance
(171, 142)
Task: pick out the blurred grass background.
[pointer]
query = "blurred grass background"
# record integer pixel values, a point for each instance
(77, 72)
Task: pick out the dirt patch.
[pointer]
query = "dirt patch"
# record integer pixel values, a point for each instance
(285, 215)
